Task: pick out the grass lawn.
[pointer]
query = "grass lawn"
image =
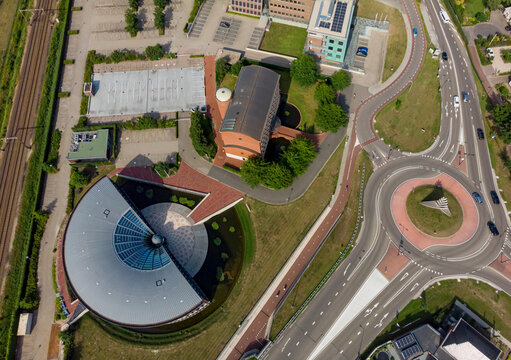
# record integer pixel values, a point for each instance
(420, 109)
(396, 43)
(302, 97)
(506, 55)
(432, 221)
(7, 11)
(436, 301)
(328, 254)
(229, 81)
(278, 230)
(472, 7)
(284, 39)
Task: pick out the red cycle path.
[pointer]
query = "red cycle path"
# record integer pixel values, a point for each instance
(421, 240)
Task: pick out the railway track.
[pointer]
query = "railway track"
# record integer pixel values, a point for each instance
(22, 121)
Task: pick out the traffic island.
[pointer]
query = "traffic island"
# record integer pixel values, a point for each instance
(424, 207)
(419, 238)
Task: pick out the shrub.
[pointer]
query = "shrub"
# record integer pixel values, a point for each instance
(304, 70)
(147, 122)
(84, 105)
(398, 104)
(174, 198)
(195, 9)
(73, 32)
(221, 69)
(224, 256)
(68, 62)
(50, 165)
(70, 199)
(68, 341)
(217, 241)
(77, 8)
(159, 20)
(164, 169)
(160, 3)
(215, 225)
(201, 133)
(63, 94)
(190, 203)
(149, 193)
(232, 229)
(340, 80)
(224, 219)
(131, 22)
(219, 274)
(154, 52)
(331, 117)
(133, 4)
(79, 178)
(236, 68)
(324, 94)
(183, 200)
(481, 17)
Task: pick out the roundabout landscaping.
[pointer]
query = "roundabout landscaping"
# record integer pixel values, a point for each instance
(433, 221)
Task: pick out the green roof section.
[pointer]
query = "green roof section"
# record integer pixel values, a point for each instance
(89, 145)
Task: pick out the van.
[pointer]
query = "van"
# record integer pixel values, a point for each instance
(445, 17)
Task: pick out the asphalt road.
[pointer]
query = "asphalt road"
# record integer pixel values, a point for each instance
(22, 121)
(470, 259)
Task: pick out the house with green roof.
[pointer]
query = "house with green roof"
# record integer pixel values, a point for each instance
(89, 146)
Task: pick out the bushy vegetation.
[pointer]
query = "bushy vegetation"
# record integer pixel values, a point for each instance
(159, 15)
(17, 262)
(304, 70)
(506, 55)
(30, 299)
(201, 133)
(278, 175)
(11, 65)
(330, 117)
(324, 94)
(131, 22)
(340, 80)
(79, 178)
(502, 119)
(68, 341)
(236, 68)
(221, 69)
(133, 4)
(154, 52)
(165, 169)
(50, 165)
(147, 122)
(195, 10)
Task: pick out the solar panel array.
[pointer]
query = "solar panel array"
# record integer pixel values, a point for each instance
(324, 24)
(340, 14)
(409, 352)
(132, 244)
(404, 341)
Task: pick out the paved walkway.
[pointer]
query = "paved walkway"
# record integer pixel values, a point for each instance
(421, 240)
(392, 263)
(503, 265)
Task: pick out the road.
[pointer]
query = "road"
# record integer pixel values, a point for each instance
(326, 329)
(22, 120)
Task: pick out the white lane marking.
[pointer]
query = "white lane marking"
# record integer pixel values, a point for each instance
(305, 333)
(347, 267)
(283, 347)
(404, 276)
(414, 287)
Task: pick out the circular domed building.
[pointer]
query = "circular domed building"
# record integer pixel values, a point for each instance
(134, 267)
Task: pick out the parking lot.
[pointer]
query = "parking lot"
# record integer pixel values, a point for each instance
(227, 30)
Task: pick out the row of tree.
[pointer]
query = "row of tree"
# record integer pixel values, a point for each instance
(131, 16)
(292, 162)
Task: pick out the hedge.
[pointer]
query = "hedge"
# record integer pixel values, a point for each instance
(195, 10)
(12, 63)
(15, 279)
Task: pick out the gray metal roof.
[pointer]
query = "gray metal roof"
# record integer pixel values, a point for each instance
(251, 101)
(107, 285)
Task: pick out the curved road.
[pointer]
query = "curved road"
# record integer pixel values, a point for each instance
(319, 332)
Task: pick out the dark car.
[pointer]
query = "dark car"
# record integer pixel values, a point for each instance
(478, 197)
(225, 24)
(493, 228)
(362, 51)
(444, 56)
(480, 133)
(494, 197)
(508, 28)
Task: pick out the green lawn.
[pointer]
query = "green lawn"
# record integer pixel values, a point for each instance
(494, 308)
(284, 39)
(472, 7)
(396, 44)
(328, 254)
(229, 81)
(420, 109)
(432, 221)
(278, 230)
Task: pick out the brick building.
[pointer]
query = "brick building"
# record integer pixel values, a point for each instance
(328, 30)
(245, 129)
(249, 7)
(292, 10)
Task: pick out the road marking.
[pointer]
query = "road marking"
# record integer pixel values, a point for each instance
(283, 347)
(288, 354)
(337, 293)
(349, 343)
(343, 284)
(313, 323)
(359, 332)
(305, 333)
(414, 287)
(347, 267)
(404, 276)
(321, 313)
(298, 343)
(329, 303)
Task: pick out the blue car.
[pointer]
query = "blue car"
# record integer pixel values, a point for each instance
(478, 197)
(362, 51)
(415, 32)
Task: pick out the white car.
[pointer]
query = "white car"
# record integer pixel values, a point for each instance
(456, 101)
(489, 52)
(445, 17)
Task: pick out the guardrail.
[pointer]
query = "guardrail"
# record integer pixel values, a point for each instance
(334, 267)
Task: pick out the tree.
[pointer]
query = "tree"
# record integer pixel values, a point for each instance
(331, 117)
(298, 155)
(253, 171)
(131, 22)
(133, 4)
(154, 52)
(236, 68)
(480, 17)
(160, 3)
(324, 94)
(201, 133)
(340, 80)
(493, 4)
(304, 70)
(502, 116)
(79, 178)
(277, 176)
(221, 69)
(159, 20)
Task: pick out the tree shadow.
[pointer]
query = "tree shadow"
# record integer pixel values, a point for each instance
(436, 194)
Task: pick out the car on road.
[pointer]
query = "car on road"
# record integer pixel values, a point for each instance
(478, 197)
(495, 197)
(225, 24)
(362, 51)
(456, 101)
(445, 17)
(493, 228)
(444, 56)
(465, 96)
(480, 134)
(415, 32)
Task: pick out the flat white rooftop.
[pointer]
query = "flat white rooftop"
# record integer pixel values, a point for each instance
(147, 91)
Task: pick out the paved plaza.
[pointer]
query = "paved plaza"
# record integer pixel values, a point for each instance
(147, 91)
